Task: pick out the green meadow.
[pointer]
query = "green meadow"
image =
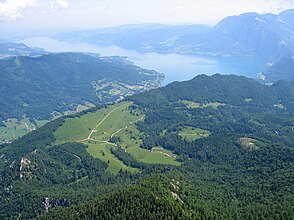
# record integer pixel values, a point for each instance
(102, 151)
(192, 134)
(14, 128)
(97, 128)
(191, 104)
(130, 141)
(76, 129)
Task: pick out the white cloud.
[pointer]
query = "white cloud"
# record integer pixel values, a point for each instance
(13, 9)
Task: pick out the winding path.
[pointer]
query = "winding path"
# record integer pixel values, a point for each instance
(76, 156)
(132, 122)
(103, 121)
(163, 153)
(107, 141)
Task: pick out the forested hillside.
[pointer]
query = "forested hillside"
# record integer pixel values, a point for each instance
(218, 147)
(34, 89)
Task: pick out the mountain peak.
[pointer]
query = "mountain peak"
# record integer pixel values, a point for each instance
(287, 12)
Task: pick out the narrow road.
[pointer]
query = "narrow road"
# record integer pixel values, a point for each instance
(118, 131)
(76, 156)
(112, 135)
(189, 134)
(165, 154)
(107, 141)
(101, 141)
(28, 128)
(92, 131)
(132, 122)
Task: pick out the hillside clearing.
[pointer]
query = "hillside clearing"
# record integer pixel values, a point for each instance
(102, 152)
(192, 134)
(130, 141)
(115, 121)
(191, 104)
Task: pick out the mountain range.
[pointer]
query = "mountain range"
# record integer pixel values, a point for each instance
(267, 37)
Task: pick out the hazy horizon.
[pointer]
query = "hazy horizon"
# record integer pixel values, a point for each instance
(48, 16)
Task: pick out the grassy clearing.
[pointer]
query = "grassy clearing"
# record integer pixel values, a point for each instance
(102, 151)
(191, 104)
(12, 133)
(95, 129)
(75, 129)
(248, 100)
(119, 119)
(27, 122)
(85, 106)
(14, 129)
(192, 134)
(280, 106)
(130, 141)
(164, 151)
(40, 123)
(249, 143)
(100, 126)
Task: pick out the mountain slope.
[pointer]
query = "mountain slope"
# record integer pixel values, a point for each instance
(34, 90)
(231, 90)
(232, 139)
(265, 36)
(37, 86)
(283, 69)
(133, 202)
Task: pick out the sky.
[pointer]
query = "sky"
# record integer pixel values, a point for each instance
(37, 15)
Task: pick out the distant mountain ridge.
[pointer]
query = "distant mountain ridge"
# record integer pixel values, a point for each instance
(141, 37)
(8, 49)
(265, 36)
(283, 69)
(229, 89)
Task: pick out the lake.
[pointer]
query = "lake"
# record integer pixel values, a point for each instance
(176, 67)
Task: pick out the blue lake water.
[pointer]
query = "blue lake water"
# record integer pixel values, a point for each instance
(176, 67)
